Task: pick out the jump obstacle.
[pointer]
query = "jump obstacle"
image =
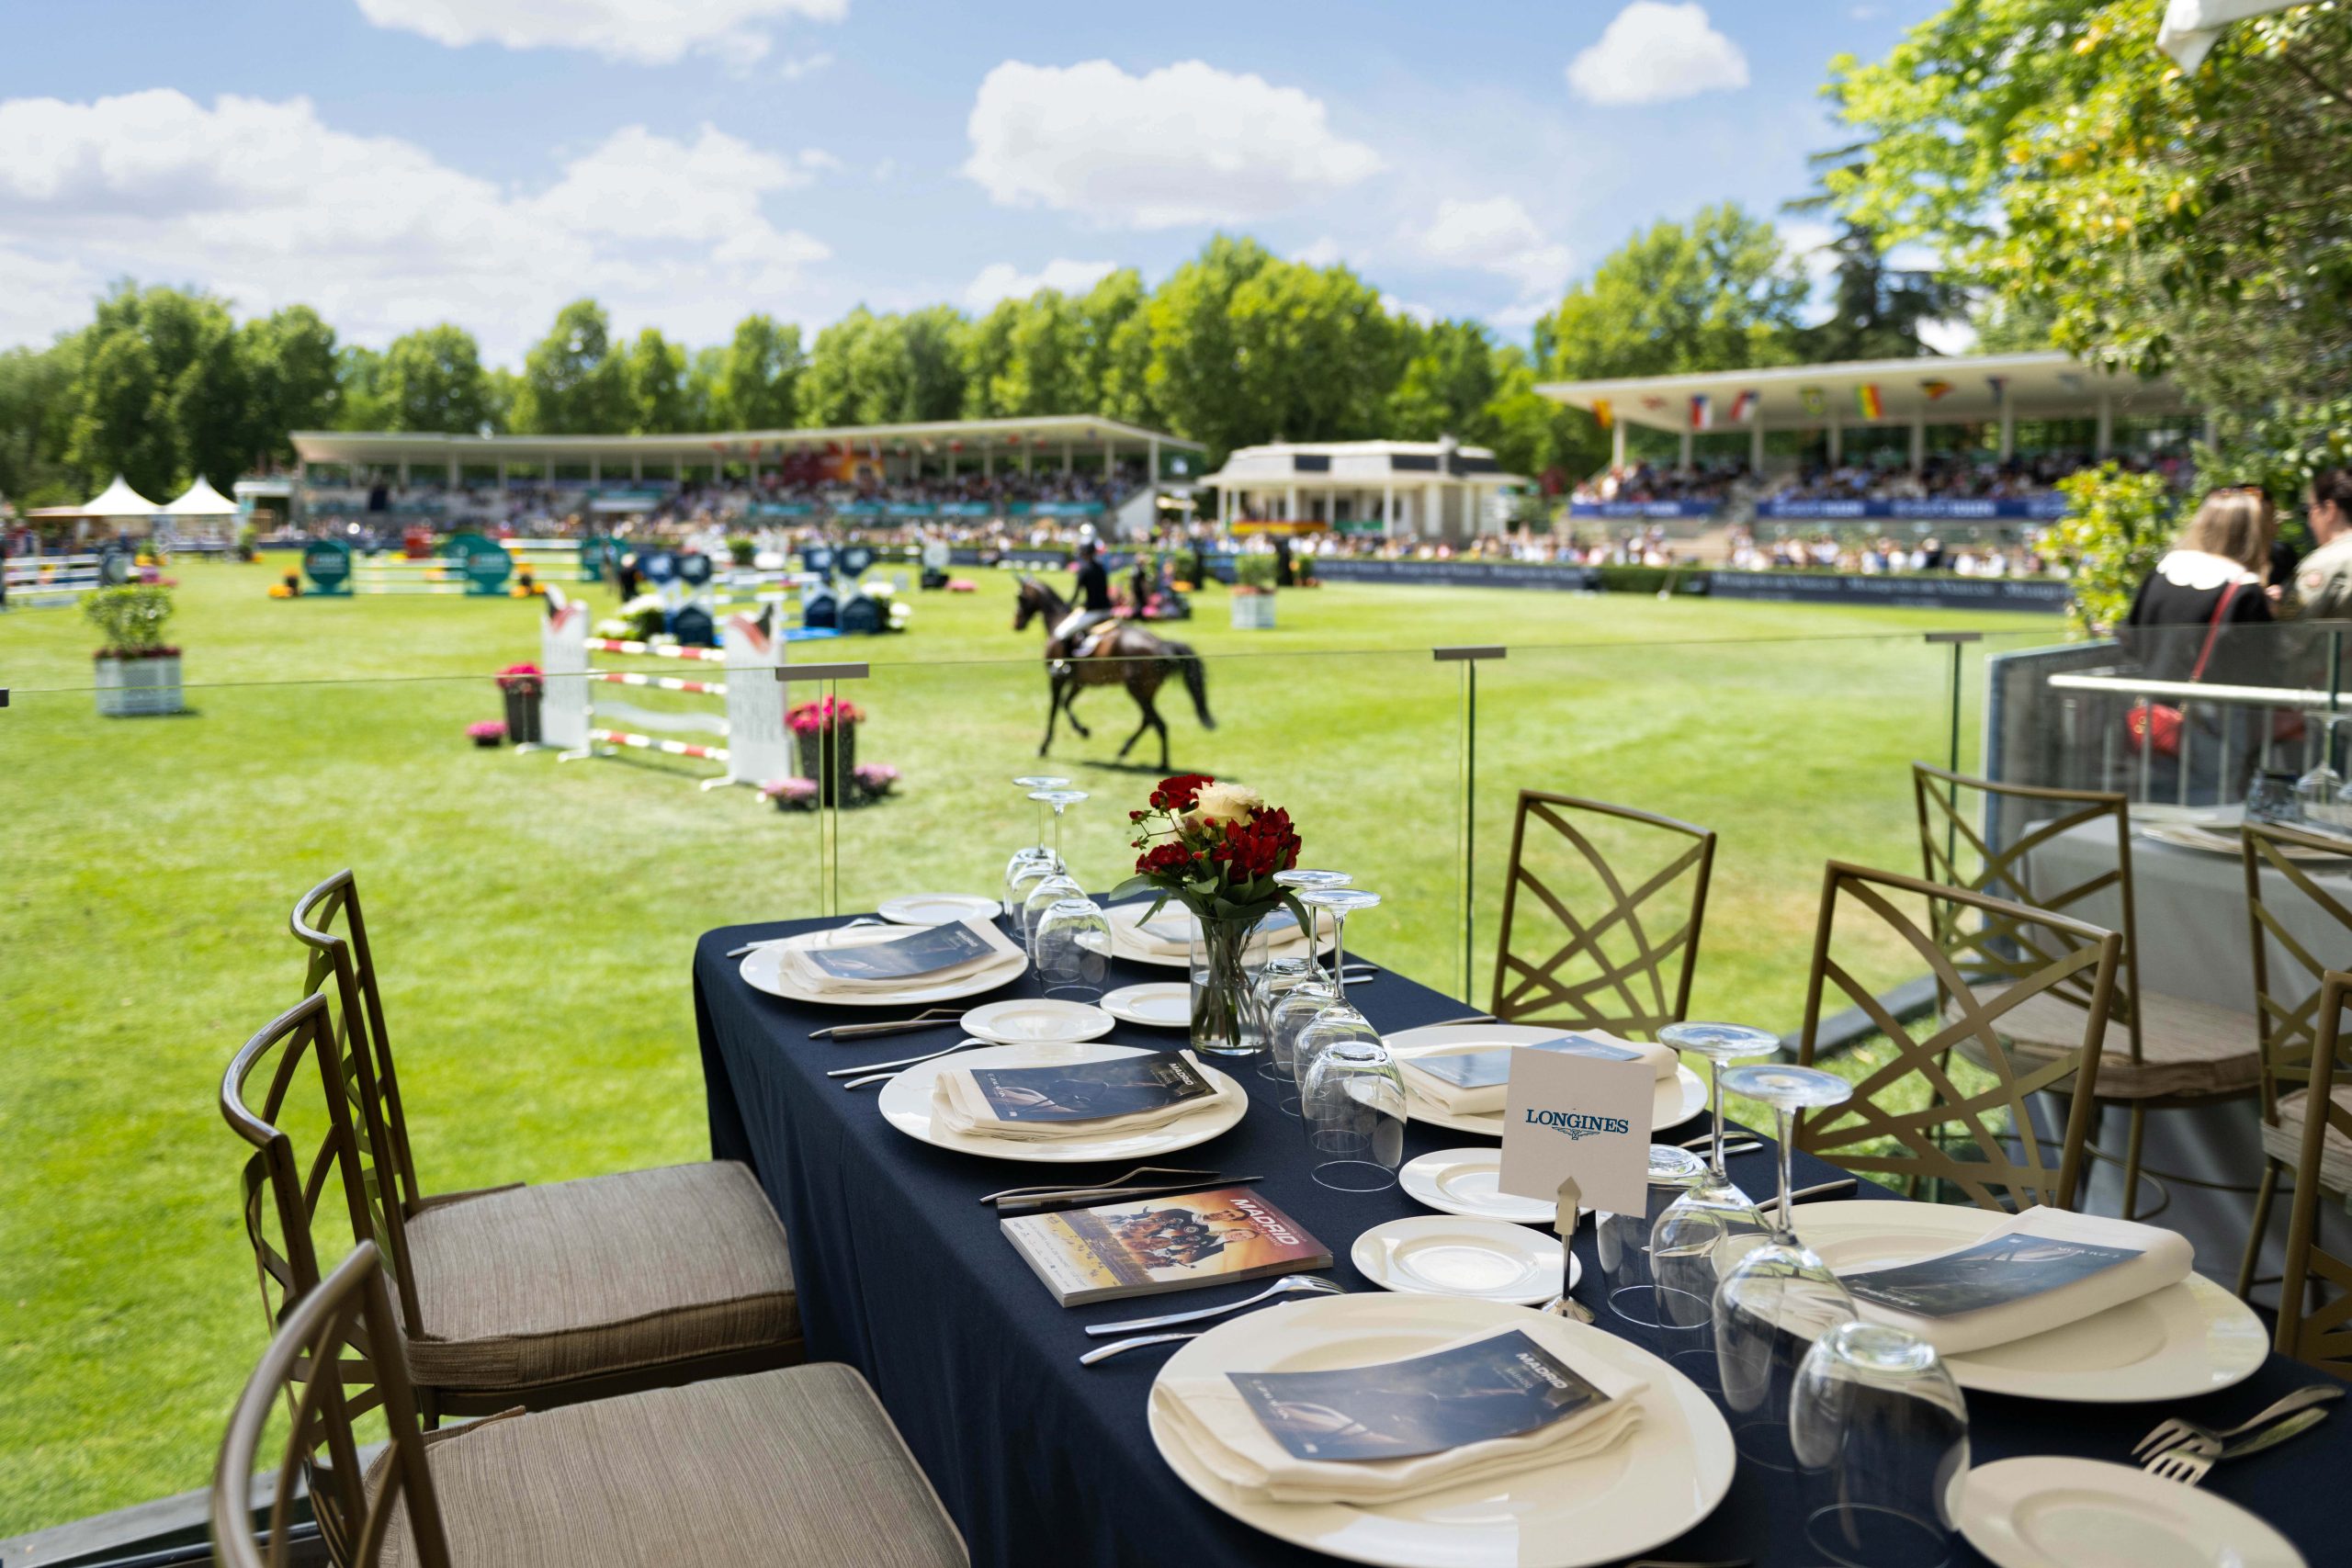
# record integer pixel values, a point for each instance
(47, 582)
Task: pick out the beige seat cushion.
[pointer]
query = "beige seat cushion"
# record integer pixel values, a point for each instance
(2187, 1048)
(2284, 1142)
(797, 1468)
(532, 1285)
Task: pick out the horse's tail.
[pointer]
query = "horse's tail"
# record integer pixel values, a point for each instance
(1196, 678)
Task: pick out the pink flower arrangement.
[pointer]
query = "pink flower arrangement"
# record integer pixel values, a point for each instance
(791, 795)
(523, 679)
(874, 780)
(487, 732)
(826, 712)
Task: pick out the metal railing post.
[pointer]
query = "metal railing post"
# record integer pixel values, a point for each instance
(1468, 658)
(1957, 640)
(829, 826)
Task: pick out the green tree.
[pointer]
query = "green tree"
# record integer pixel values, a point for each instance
(37, 409)
(289, 370)
(1533, 435)
(706, 374)
(163, 395)
(759, 386)
(1719, 293)
(573, 383)
(655, 373)
(362, 398)
(122, 424)
(2160, 220)
(1117, 377)
(870, 369)
(1029, 356)
(433, 379)
(1450, 379)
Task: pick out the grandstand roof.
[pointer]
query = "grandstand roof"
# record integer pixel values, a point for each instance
(971, 436)
(1794, 397)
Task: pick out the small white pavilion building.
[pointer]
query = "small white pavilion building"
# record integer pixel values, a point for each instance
(1431, 489)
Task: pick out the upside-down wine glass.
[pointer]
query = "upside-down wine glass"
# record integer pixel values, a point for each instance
(1072, 948)
(1029, 853)
(1257, 1021)
(1277, 977)
(1302, 880)
(1334, 1022)
(1701, 1234)
(1880, 1432)
(1354, 1105)
(1058, 882)
(1628, 1266)
(1780, 1297)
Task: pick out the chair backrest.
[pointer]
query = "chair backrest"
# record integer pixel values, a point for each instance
(333, 1326)
(1615, 949)
(294, 1065)
(2323, 1335)
(2290, 1031)
(1908, 1117)
(1959, 853)
(379, 1130)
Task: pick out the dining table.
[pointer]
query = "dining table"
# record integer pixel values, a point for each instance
(903, 1274)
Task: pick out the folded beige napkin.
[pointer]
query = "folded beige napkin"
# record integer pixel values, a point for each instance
(2164, 1258)
(957, 1105)
(804, 973)
(1455, 1101)
(1168, 934)
(1220, 1429)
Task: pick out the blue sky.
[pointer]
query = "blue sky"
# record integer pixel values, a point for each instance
(397, 163)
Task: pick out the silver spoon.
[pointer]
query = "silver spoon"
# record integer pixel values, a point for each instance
(1295, 1285)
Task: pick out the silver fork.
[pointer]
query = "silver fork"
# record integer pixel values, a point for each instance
(2177, 1432)
(1297, 1284)
(2188, 1465)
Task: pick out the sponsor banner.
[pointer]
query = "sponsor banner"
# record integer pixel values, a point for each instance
(1459, 573)
(2043, 594)
(1932, 509)
(1644, 508)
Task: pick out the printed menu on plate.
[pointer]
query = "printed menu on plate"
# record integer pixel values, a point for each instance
(1486, 1067)
(1151, 1245)
(1089, 1091)
(1493, 1388)
(1991, 1273)
(918, 952)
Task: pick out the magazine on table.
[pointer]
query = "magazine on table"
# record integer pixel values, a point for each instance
(1498, 1387)
(1993, 1272)
(1092, 1092)
(918, 952)
(1486, 1067)
(1147, 1246)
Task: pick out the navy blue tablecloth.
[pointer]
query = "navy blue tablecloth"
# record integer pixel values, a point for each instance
(903, 1275)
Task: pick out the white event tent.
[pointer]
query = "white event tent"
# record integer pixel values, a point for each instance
(200, 500)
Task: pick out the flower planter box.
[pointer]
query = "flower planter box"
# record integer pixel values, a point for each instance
(1253, 612)
(522, 717)
(130, 687)
(834, 784)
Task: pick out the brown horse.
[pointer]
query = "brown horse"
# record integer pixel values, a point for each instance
(1120, 654)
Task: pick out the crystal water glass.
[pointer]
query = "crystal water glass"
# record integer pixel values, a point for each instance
(1302, 880)
(1292, 1012)
(1335, 1022)
(1703, 1232)
(1072, 948)
(1353, 1106)
(1028, 782)
(1879, 1434)
(1780, 1297)
(1627, 1277)
(1029, 866)
(1042, 896)
(1277, 977)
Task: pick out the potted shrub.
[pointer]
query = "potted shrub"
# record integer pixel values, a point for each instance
(487, 732)
(831, 765)
(522, 685)
(1253, 593)
(137, 672)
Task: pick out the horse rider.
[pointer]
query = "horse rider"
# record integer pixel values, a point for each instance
(1093, 606)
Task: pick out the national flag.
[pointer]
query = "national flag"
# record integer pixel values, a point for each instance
(1604, 413)
(1866, 398)
(1816, 402)
(1935, 389)
(2000, 385)
(1703, 412)
(1742, 408)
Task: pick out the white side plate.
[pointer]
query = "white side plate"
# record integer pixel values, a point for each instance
(938, 908)
(1156, 1004)
(2048, 1512)
(1440, 1254)
(1037, 1021)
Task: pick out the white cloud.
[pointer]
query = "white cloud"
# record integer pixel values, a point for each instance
(267, 204)
(801, 65)
(1653, 53)
(1186, 143)
(1320, 252)
(648, 32)
(1494, 235)
(1956, 335)
(1003, 280)
(1397, 307)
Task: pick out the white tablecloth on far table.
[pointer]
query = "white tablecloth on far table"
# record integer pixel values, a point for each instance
(2195, 942)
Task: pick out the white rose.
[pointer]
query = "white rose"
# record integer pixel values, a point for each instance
(1227, 803)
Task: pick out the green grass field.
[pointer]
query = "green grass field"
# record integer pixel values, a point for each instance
(535, 919)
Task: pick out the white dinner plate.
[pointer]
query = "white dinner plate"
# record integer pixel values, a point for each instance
(763, 969)
(1678, 1099)
(2183, 1340)
(1440, 1254)
(1037, 1021)
(1125, 917)
(1468, 1183)
(2048, 1512)
(1154, 1004)
(906, 1104)
(939, 908)
(1671, 1472)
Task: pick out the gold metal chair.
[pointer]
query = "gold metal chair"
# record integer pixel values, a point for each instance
(2321, 1336)
(2175, 1051)
(1621, 962)
(544, 1295)
(2290, 1031)
(1984, 1144)
(798, 1465)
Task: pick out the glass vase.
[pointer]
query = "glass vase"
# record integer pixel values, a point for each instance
(1221, 987)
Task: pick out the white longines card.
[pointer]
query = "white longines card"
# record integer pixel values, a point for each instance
(1581, 1116)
